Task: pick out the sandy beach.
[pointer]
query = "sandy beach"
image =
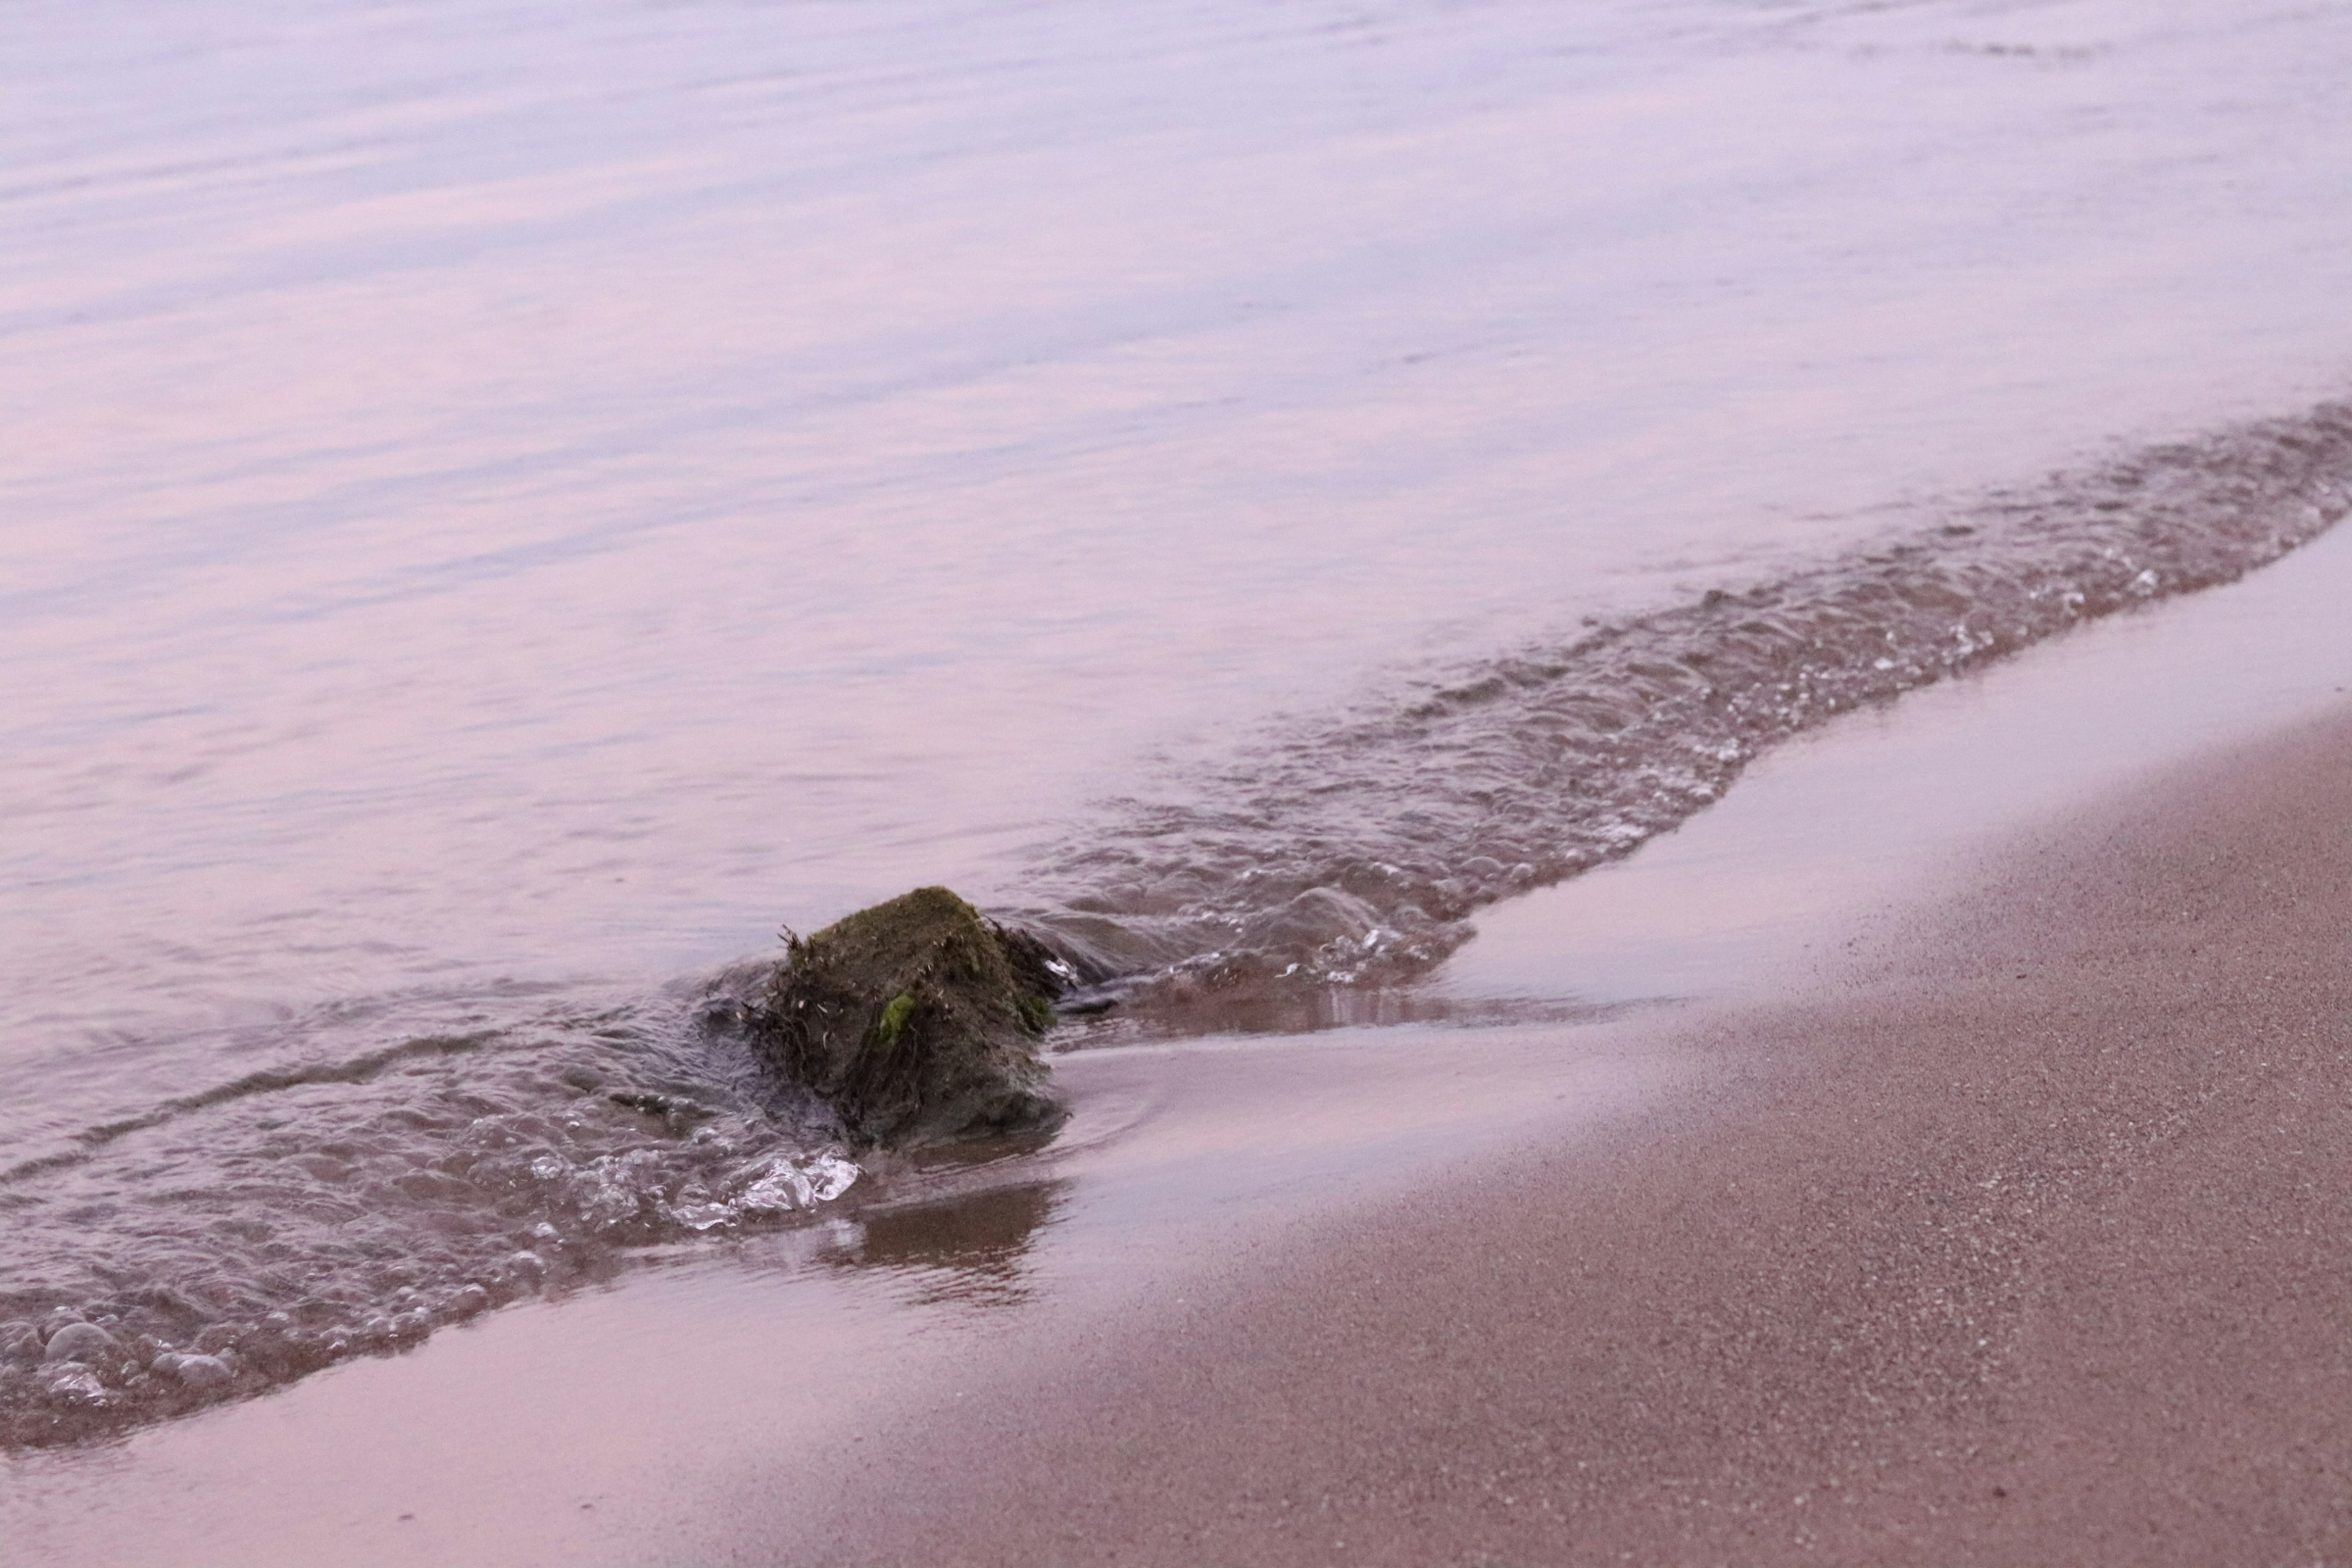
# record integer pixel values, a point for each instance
(2021, 1243)
(1986, 1215)
(1670, 682)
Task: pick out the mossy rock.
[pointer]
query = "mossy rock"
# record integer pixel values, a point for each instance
(917, 1021)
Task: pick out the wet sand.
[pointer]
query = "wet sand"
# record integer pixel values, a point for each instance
(2021, 1240)
(1550, 1292)
(695, 1410)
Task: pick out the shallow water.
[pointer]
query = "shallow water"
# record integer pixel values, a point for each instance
(1830, 839)
(680, 1415)
(506, 507)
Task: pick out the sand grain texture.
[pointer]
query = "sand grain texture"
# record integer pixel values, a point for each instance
(2028, 1245)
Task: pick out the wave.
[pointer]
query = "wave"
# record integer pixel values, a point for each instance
(1355, 851)
(224, 1242)
(405, 1174)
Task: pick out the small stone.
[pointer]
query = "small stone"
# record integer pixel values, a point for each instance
(79, 1342)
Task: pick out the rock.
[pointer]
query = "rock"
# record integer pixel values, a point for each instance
(917, 1021)
(19, 1341)
(78, 1341)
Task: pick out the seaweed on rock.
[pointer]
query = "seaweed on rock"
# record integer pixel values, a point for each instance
(917, 1021)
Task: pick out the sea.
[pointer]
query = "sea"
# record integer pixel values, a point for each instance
(510, 506)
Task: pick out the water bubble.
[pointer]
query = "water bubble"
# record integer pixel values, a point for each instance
(79, 1342)
(217, 1337)
(787, 1184)
(71, 1383)
(196, 1372)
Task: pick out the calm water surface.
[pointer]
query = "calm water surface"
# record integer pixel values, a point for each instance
(563, 488)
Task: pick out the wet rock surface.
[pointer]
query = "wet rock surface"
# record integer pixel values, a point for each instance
(917, 1021)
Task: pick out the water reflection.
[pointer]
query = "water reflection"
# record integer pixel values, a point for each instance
(971, 1249)
(1181, 1006)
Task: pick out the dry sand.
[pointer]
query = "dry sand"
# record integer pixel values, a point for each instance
(2025, 1241)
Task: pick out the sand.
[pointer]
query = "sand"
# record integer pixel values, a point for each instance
(2009, 1234)
(2021, 1240)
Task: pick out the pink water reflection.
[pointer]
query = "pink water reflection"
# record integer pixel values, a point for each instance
(564, 489)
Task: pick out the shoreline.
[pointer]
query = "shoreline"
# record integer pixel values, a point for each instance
(1641, 661)
(2023, 1246)
(643, 1423)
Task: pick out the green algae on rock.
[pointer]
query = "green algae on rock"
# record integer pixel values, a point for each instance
(917, 1021)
